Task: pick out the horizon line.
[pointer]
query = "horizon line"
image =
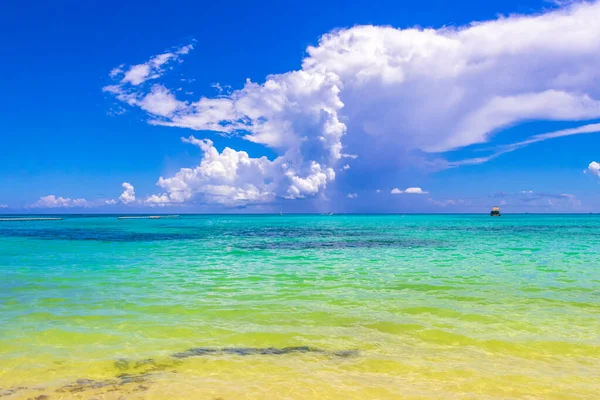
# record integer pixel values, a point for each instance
(307, 213)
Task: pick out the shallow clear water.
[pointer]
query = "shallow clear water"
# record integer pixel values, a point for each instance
(301, 307)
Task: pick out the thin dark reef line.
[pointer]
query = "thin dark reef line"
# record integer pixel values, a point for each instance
(149, 217)
(28, 219)
(266, 351)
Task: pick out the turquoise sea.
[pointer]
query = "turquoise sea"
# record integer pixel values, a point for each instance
(301, 307)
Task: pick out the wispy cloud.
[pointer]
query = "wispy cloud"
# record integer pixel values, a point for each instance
(152, 69)
(584, 129)
(128, 80)
(410, 190)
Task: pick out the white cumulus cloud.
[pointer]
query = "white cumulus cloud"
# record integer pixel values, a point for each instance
(410, 190)
(352, 195)
(594, 168)
(128, 195)
(417, 90)
(234, 178)
(160, 101)
(51, 201)
(158, 200)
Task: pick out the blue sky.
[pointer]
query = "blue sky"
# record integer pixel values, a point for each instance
(398, 95)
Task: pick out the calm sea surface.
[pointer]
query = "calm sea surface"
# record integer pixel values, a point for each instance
(301, 307)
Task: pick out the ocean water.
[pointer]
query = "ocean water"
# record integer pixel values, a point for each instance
(301, 307)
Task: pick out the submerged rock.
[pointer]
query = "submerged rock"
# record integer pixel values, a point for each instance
(125, 379)
(81, 385)
(346, 353)
(122, 364)
(12, 390)
(146, 362)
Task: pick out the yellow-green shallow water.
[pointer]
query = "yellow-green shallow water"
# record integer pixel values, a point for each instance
(301, 307)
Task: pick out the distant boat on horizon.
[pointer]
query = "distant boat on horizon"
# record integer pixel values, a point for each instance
(495, 212)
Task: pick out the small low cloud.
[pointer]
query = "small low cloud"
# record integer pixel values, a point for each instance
(3, 205)
(161, 200)
(593, 168)
(352, 195)
(221, 89)
(51, 201)
(410, 190)
(128, 195)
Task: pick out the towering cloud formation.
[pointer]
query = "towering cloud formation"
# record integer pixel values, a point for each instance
(234, 178)
(399, 90)
(128, 195)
